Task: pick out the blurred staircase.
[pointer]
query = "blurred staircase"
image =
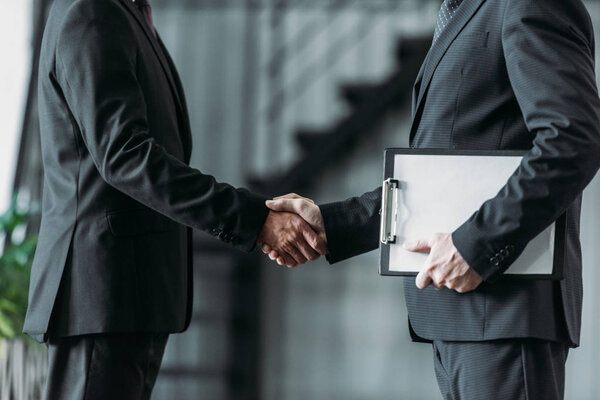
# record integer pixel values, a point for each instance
(369, 103)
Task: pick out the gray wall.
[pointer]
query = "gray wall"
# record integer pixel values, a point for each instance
(340, 331)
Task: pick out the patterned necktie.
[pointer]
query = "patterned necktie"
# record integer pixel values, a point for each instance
(446, 13)
(146, 10)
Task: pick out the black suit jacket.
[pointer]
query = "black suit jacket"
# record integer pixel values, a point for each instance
(505, 74)
(114, 251)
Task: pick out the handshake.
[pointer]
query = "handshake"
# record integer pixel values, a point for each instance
(293, 232)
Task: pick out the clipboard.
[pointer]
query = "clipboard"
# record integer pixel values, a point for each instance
(426, 191)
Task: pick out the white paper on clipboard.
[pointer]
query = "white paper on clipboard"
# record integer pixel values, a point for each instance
(437, 193)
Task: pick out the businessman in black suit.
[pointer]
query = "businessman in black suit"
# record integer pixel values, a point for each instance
(112, 271)
(502, 74)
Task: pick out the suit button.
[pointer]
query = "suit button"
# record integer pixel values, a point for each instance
(495, 261)
(510, 248)
(503, 253)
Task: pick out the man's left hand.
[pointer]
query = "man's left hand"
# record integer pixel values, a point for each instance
(444, 267)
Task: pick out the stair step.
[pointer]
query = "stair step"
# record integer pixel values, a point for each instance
(408, 48)
(358, 94)
(308, 140)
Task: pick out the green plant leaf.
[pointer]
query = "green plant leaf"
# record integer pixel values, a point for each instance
(15, 267)
(6, 329)
(8, 305)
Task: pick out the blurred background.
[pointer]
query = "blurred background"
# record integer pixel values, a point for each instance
(284, 95)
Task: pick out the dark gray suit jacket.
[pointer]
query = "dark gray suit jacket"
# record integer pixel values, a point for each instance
(115, 251)
(505, 74)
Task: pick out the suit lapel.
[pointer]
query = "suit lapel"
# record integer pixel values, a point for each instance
(186, 135)
(437, 51)
(130, 5)
(171, 74)
(417, 85)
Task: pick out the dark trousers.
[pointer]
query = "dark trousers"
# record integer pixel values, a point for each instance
(104, 366)
(524, 369)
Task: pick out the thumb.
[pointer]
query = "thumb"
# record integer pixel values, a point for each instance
(421, 245)
(287, 205)
(293, 196)
(423, 279)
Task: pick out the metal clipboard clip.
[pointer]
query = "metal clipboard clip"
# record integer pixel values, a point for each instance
(389, 210)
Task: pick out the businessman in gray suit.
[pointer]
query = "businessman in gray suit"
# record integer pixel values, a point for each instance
(112, 274)
(500, 74)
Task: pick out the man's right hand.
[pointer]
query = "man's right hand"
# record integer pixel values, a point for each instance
(292, 238)
(305, 208)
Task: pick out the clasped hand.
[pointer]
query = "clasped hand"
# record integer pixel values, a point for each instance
(293, 232)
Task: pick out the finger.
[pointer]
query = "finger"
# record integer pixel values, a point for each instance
(288, 196)
(316, 241)
(283, 257)
(423, 279)
(306, 250)
(288, 205)
(464, 284)
(266, 248)
(287, 259)
(295, 254)
(470, 282)
(451, 284)
(464, 288)
(293, 196)
(421, 245)
(439, 277)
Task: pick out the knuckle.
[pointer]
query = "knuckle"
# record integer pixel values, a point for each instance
(302, 206)
(438, 278)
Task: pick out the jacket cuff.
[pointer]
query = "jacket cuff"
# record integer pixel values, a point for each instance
(487, 259)
(250, 220)
(333, 230)
(348, 234)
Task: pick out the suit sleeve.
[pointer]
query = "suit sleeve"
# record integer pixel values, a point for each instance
(548, 48)
(96, 68)
(352, 225)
